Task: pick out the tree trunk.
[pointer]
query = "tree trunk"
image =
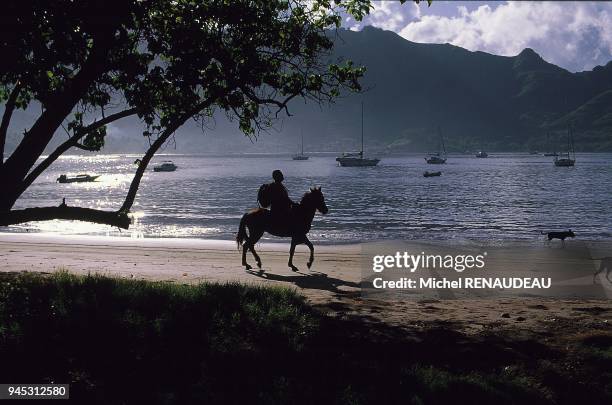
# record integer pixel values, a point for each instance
(9, 107)
(21, 161)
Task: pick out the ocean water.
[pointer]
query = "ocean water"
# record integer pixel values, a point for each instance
(503, 197)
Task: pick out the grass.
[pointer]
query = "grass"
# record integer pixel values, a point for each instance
(122, 341)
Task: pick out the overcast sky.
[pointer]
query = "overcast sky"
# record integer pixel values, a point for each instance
(574, 35)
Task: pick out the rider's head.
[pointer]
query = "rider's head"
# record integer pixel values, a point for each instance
(277, 175)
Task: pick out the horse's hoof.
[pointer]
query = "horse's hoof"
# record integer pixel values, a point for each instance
(309, 264)
(247, 267)
(259, 265)
(293, 268)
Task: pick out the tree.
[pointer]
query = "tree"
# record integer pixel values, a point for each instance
(89, 63)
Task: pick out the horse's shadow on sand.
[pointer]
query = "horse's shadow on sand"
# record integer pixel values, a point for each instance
(312, 280)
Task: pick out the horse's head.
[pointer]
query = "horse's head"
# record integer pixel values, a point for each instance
(318, 200)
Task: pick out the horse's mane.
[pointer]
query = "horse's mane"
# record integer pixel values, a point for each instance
(310, 194)
(305, 197)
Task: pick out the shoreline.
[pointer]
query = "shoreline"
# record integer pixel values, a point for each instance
(333, 285)
(155, 242)
(158, 240)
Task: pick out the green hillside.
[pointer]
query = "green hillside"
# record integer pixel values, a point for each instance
(478, 99)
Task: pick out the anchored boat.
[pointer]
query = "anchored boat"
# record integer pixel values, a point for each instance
(568, 158)
(357, 159)
(439, 157)
(432, 174)
(80, 178)
(300, 156)
(166, 166)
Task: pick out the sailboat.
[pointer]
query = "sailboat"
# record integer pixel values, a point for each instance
(568, 158)
(439, 157)
(300, 156)
(357, 159)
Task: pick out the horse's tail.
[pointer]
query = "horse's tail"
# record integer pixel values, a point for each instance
(242, 234)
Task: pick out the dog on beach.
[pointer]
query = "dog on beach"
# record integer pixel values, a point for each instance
(559, 235)
(605, 264)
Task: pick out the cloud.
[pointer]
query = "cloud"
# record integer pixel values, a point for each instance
(574, 35)
(388, 15)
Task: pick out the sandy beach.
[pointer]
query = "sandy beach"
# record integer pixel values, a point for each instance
(332, 285)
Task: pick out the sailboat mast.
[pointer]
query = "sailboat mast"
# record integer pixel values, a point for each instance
(302, 132)
(569, 134)
(570, 140)
(441, 140)
(362, 128)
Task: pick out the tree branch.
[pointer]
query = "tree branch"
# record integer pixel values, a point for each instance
(86, 148)
(57, 108)
(9, 107)
(144, 162)
(72, 141)
(118, 219)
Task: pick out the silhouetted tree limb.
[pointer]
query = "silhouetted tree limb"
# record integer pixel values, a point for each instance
(162, 138)
(9, 107)
(118, 219)
(55, 111)
(72, 141)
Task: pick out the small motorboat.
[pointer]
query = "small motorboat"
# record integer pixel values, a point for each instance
(166, 166)
(432, 174)
(80, 178)
(435, 159)
(482, 154)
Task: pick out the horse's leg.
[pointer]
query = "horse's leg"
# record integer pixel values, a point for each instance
(311, 247)
(253, 240)
(245, 247)
(291, 252)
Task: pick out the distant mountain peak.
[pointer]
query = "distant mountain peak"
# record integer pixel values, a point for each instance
(530, 60)
(528, 52)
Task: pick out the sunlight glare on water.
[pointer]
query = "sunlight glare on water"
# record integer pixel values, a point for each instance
(507, 196)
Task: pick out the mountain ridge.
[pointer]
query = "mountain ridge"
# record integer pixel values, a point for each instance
(478, 99)
(508, 102)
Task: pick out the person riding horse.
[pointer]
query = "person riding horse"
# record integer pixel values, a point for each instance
(292, 221)
(280, 203)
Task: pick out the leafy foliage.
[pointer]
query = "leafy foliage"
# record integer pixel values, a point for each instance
(167, 62)
(167, 57)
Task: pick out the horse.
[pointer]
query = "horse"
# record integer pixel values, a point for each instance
(296, 225)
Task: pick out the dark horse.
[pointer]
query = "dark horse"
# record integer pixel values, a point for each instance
(295, 226)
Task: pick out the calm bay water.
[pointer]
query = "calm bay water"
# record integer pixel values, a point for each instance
(506, 196)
